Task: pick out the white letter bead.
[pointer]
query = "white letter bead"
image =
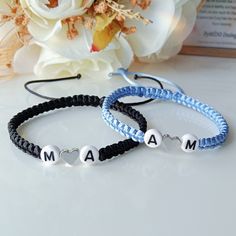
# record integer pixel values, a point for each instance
(189, 143)
(89, 155)
(50, 154)
(153, 138)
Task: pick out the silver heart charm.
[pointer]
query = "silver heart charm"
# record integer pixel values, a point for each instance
(70, 156)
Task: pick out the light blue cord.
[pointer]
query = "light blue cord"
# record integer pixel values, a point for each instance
(165, 95)
(125, 74)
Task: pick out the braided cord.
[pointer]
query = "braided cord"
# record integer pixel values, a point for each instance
(165, 95)
(78, 100)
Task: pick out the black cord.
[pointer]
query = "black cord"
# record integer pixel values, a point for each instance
(136, 77)
(26, 85)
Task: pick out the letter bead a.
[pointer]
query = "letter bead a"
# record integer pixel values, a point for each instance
(89, 155)
(153, 138)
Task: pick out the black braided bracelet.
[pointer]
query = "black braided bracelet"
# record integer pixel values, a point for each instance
(50, 154)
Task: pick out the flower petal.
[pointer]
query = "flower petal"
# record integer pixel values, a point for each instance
(78, 48)
(25, 59)
(51, 64)
(44, 33)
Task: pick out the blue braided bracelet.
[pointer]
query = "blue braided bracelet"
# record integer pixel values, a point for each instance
(152, 137)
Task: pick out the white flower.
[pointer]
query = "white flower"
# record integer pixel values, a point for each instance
(45, 17)
(172, 20)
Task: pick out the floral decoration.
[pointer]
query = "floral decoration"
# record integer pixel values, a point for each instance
(63, 37)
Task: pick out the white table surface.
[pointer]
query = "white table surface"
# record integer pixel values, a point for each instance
(161, 192)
